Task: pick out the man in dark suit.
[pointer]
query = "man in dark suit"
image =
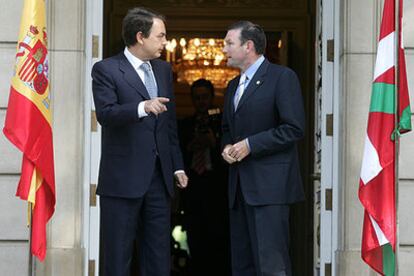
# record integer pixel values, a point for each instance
(263, 120)
(140, 152)
(203, 201)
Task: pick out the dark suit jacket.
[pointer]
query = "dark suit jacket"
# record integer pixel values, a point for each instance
(270, 114)
(130, 144)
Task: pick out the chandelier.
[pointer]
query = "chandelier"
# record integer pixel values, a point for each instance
(200, 58)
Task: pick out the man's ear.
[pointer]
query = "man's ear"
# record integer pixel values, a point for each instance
(140, 38)
(249, 46)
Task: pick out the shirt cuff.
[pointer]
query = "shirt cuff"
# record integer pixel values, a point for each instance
(178, 171)
(141, 110)
(248, 144)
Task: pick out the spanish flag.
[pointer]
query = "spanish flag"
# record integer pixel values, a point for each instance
(28, 122)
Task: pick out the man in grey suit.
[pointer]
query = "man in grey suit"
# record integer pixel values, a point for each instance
(134, 103)
(263, 120)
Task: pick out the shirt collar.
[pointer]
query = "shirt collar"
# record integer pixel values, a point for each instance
(253, 68)
(135, 62)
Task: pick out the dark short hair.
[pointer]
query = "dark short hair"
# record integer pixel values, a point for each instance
(202, 83)
(253, 32)
(138, 20)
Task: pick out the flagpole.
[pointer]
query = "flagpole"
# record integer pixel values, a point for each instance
(32, 264)
(397, 135)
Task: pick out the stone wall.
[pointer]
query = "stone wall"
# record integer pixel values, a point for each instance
(13, 212)
(361, 21)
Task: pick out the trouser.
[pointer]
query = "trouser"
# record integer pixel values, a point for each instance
(146, 219)
(259, 239)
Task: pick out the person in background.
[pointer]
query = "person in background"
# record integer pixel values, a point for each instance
(204, 202)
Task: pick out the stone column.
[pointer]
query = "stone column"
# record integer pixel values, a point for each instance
(14, 233)
(66, 21)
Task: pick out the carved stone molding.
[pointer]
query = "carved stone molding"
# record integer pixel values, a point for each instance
(222, 3)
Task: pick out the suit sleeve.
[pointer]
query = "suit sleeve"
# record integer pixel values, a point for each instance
(290, 127)
(109, 111)
(177, 159)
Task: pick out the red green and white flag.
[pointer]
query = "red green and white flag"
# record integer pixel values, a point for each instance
(377, 182)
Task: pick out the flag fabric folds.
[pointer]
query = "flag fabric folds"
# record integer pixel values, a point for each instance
(28, 123)
(377, 181)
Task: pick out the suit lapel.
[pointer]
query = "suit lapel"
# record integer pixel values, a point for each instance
(254, 83)
(232, 90)
(162, 91)
(161, 87)
(131, 76)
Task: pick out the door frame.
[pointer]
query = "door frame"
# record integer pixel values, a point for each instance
(94, 26)
(331, 139)
(92, 141)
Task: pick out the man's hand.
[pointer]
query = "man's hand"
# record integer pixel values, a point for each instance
(156, 105)
(182, 179)
(226, 155)
(239, 150)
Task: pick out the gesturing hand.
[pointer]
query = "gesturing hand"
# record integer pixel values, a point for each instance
(156, 105)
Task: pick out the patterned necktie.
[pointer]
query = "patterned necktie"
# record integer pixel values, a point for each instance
(149, 80)
(240, 90)
(199, 161)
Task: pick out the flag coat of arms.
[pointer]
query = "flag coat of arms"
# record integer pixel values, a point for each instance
(28, 123)
(377, 181)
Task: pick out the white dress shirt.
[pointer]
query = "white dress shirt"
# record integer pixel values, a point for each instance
(136, 63)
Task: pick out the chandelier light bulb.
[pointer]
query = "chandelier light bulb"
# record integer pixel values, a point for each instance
(173, 43)
(202, 58)
(168, 46)
(279, 44)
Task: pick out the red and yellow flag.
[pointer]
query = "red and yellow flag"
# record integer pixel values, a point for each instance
(377, 182)
(28, 122)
